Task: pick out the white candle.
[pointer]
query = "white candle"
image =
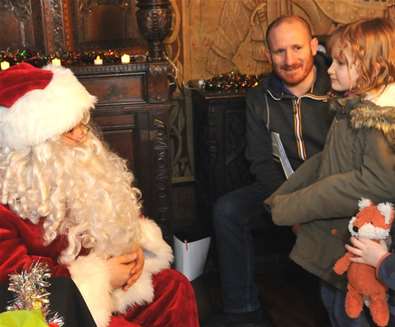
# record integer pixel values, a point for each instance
(56, 62)
(4, 65)
(125, 59)
(98, 61)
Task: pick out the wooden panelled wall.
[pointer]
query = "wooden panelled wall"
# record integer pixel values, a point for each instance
(56, 25)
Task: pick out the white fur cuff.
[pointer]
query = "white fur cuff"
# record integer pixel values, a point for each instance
(90, 274)
(158, 256)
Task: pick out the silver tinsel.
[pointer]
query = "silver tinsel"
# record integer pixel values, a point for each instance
(30, 288)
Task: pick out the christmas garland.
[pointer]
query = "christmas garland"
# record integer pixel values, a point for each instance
(109, 57)
(230, 82)
(30, 304)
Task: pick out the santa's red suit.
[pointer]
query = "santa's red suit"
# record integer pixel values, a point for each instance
(91, 211)
(21, 244)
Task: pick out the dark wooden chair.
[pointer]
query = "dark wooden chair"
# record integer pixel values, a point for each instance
(220, 167)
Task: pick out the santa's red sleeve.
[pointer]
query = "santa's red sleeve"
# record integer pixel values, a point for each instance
(174, 305)
(21, 245)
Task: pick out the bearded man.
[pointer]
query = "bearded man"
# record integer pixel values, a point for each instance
(287, 121)
(69, 202)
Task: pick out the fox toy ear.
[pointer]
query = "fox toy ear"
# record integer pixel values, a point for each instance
(387, 210)
(364, 203)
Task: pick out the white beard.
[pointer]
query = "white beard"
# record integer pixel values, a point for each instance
(82, 191)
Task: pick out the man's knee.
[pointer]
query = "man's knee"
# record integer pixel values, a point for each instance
(226, 210)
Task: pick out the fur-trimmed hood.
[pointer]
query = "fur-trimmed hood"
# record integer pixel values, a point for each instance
(370, 115)
(377, 113)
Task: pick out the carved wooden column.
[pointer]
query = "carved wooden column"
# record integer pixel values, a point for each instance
(53, 25)
(154, 21)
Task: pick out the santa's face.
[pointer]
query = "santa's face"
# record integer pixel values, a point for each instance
(77, 135)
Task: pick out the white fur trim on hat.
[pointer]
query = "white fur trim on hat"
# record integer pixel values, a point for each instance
(44, 113)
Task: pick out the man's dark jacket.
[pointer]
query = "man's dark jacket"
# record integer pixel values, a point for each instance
(306, 117)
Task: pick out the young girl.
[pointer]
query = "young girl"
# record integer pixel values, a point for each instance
(358, 161)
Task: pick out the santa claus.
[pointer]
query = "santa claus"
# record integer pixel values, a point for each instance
(68, 201)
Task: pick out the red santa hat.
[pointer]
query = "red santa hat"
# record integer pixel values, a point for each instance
(38, 104)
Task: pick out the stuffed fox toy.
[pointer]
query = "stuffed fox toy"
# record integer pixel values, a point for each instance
(373, 222)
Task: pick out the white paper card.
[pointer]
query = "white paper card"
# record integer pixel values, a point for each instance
(190, 257)
(279, 153)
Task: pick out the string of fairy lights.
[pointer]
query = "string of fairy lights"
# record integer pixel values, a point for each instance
(227, 82)
(9, 58)
(230, 82)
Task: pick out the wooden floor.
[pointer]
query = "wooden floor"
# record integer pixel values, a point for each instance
(292, 298)
(289, 295)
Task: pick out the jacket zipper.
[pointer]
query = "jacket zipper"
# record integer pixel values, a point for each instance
(297, 117)
(298, 128)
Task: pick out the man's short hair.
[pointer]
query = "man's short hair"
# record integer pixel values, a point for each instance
(287, 19)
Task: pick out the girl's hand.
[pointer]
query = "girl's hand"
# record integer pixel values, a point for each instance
(137, 268)
(120, 268)
(367, 251)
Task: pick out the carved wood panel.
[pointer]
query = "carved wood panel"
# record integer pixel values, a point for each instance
(103, 24)
(56, 25)
(219, 140)
(223, 35)
(21, 25)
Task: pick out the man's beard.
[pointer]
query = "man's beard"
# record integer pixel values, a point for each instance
(82, 191)
(303, 70)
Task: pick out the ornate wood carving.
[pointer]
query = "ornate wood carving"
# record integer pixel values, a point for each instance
(104, 24)
(154, 20)
(181, 141)
(21, 8)
(53, 22)
(219, 128)
(68, 26)
(161, 173)
(21, 25)
(159, 76)
(58, 28)
(211, 46)
(105, 69)
(86, 5)
(237, 167)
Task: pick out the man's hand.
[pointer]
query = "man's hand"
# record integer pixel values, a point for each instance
(367, 251)
(137, 269)
(295, 228)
